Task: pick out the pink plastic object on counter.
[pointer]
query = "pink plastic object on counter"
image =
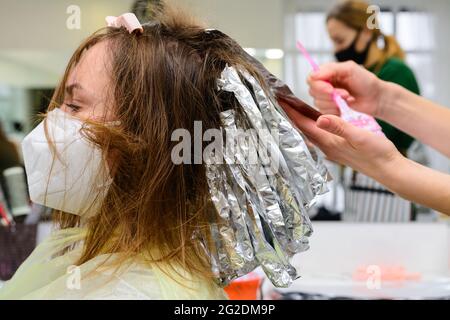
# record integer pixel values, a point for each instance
(361, 120)
(385, 273)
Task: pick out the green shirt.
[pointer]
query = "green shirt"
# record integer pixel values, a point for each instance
(396, 71)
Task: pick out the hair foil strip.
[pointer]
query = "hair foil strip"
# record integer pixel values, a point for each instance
(310, 177)
(268, 223)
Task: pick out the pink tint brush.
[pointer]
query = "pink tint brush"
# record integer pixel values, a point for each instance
(356, 118)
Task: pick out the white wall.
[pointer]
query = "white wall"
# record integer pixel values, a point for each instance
(254, 23)
(41, 24)
(34, 35)
(35, 42)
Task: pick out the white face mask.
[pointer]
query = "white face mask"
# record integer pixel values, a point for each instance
(76, 178)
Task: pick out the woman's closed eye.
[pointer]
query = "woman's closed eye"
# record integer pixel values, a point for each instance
(73, 107)
(338, 41)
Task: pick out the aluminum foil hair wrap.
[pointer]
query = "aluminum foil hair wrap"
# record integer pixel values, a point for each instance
(262, 189)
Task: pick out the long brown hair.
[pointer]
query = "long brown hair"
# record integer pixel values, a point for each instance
(3, 137)
(354, 13)
(162, 80)
(6, 143)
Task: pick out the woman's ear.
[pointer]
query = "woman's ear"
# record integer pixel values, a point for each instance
(365, 36)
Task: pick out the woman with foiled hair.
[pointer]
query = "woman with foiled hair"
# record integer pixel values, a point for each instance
(131, 222)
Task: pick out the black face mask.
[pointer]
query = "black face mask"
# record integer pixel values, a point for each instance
(351, 54)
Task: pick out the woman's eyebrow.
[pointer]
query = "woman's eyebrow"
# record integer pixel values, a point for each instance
(70, 88)
(82, 94)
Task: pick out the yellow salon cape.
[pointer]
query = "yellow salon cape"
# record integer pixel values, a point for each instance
(47, 275)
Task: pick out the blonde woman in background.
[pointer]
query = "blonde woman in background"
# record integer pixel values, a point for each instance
(354, 40)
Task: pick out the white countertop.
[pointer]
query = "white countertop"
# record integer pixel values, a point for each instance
(338, 249)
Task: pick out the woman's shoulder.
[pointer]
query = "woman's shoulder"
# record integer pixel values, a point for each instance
(396, 70)
(394, 65)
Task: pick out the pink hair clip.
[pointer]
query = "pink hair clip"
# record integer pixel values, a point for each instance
(127, 20)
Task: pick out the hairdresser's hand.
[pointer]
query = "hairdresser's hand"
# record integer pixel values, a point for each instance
(362, 90)
(346, 144)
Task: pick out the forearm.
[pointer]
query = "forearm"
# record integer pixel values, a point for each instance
(416, 183)
(420, 118)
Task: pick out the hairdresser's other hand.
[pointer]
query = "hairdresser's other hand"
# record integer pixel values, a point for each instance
(360, 88)
(346, 144)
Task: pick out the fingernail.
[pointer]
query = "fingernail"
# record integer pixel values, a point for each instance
(323, 122)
